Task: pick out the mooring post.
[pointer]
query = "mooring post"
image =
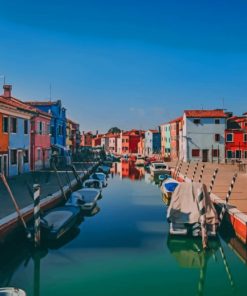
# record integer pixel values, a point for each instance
(187, 170)
(194, 173)
(201, 174)
(179, 169)
(202, 210)
(213, 181)
(175, 170)
(36, 213)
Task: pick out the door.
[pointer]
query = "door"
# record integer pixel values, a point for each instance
(205, 155)
(20, 162)
(4, 164)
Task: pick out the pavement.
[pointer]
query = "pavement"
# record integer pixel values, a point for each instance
(21, 185)
(238, 198)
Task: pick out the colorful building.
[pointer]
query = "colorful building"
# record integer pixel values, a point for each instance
(73, 136)
(203, 135)
(152, 142)
(130, 140)
(112, 147)
(141, 145)
(174, 138)
(16, 123)
(165, 140)
(86, 139)
(236, 138)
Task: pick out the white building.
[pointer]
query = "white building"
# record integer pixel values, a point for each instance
(203, 135)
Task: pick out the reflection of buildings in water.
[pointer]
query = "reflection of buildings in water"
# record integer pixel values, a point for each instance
(115, 169)
(129, 170)
(190, 254)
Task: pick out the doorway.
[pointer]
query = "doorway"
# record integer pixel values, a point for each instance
(20, 161)
(205, 155)
(4, 164)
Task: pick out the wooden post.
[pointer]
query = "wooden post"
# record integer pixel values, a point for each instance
(201, 174)
(194, 173)
(179, 169)
(36, 212)
(202, 211)
(187, 170)
(212, 181)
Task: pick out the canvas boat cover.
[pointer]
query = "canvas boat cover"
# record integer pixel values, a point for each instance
(170, 185)
(183, 207)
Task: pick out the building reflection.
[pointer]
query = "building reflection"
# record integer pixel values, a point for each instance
(127, 169)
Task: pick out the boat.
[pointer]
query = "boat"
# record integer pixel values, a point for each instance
(163, 177)
(104, 169)
(157, 168)
(9, 291)
(56, 222)
(183, 212)
(85, 198)
(101, 177)
(140, 161)
(92, 183)
(167, 188)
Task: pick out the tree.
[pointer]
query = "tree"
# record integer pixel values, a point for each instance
(114, 130)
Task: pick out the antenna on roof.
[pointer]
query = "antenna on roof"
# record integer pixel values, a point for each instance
(50, 92)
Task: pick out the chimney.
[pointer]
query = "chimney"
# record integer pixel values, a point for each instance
(7, 90)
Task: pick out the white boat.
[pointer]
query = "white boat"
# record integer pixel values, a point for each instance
(157, 168)
(12, 292)
(101, 177)
(140, 161)
(85, 198)
(92, 183)
(167, 188)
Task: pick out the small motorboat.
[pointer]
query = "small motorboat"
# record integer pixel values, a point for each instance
(168, 186)
(12, 292)
(85, 198)
(158, 168)
(92, 183)
(55, 223)
(140, 161)
(104, 169)
(101, 177)
(163, 177)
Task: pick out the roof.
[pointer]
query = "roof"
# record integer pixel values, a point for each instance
(153, 131)
(43, 103)
(16, 103)
(205, 113)
(180, 118)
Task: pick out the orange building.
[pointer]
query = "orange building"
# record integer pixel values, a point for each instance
(175, 126)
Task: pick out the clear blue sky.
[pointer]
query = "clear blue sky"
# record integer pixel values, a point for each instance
(126, 63)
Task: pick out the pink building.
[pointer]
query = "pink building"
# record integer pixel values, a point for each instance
(40, 140)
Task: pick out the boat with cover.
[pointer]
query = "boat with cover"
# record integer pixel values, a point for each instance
(158, 168)
(56, 222)
(183, 213)
(9, 291)
(167, 187)
(85, 198)
(101, 177)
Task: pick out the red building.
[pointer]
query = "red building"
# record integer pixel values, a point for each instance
(130, 140)
(86, 139)
(236, 138)
(96, 141)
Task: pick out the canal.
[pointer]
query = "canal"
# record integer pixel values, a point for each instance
(124, 249)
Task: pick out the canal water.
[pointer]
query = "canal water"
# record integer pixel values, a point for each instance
(124, 248)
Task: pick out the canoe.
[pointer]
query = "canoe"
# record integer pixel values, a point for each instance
(55, 223)
(85, 198)
(12, 292)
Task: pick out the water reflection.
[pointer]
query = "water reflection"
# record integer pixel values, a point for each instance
(127, 169)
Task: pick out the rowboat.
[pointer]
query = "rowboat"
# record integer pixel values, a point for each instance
(55, 223)
(85, 198)
(101, 177)
(157, 168)
(167, 188)
(92, 183)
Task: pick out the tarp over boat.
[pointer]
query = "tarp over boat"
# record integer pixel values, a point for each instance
(183, 208)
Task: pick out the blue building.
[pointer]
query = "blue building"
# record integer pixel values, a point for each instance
(58, 120)
(152, 142)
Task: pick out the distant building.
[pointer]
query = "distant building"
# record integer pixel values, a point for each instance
(86, 139)
(112, 147)
(96, 141)
(165, 140)
(73, 136)
(130, 140)
(152, 142)
(203, 135)
(141, 145)
(236, 138)
(175, 126)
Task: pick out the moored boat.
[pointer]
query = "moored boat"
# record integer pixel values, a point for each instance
(157, 168)
(101, 177)
(104, 169)
(140, 161)
(9, 291)
(56, 222)
(167, 187)
(85, 198)
(92, 183)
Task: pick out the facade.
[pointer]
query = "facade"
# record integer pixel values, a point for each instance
(73, 136)
(236, 138)
(174, 138)
(4, 140)
(16, 130)
(40, 150)
(130, 140)
(203, 135)
(152, 142)
(165, 140)
(86, 139)
(112, 148)
(141, 146)
(58, 120)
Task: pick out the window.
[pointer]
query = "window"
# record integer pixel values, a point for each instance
(13, 125)
(238, 153)
(229, 138)
(215, 152)
(5, 124)
(195, 152)
(197, 121)
(217, 121)
(25, 156)
(25, 126)
(13, 156)
(245, 137)
(217, 137)
(229, 154)
(40, 128)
